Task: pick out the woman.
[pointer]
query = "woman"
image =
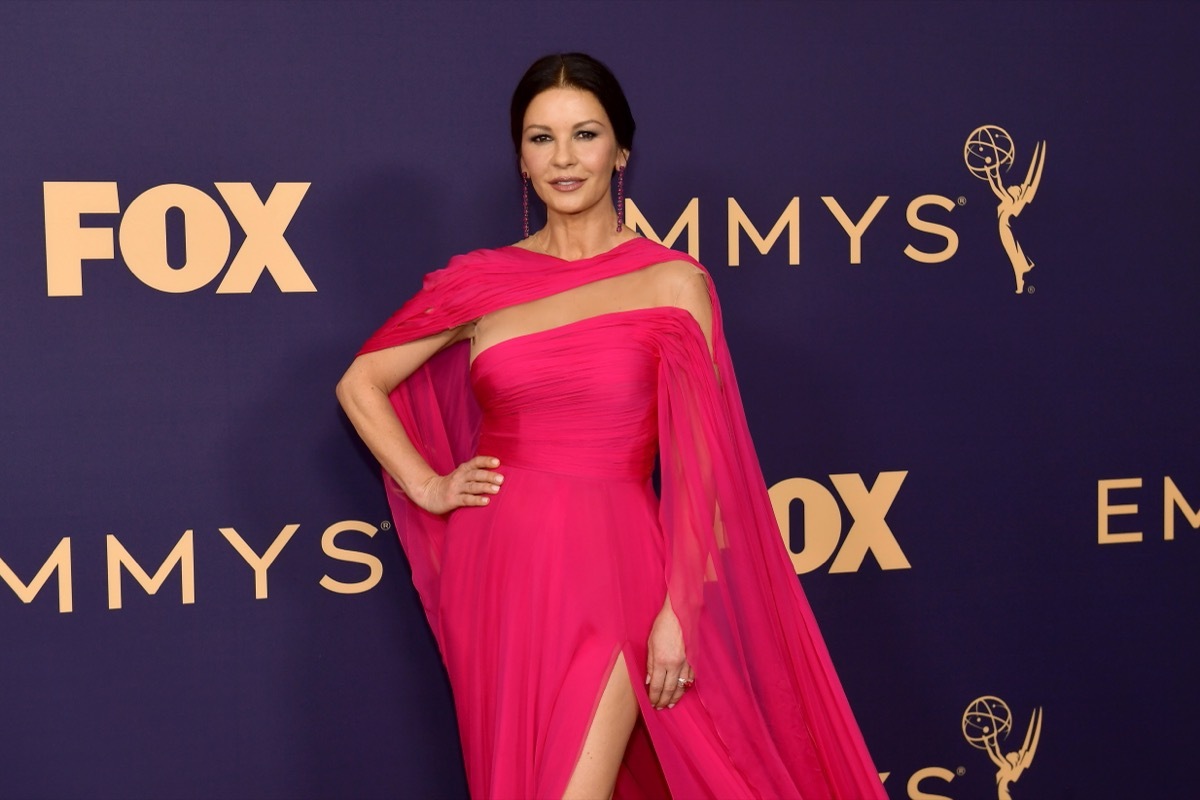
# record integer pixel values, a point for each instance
(598, 638)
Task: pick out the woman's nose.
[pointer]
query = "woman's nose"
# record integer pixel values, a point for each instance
(564, 154)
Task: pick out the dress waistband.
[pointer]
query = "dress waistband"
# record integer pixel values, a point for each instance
(608, 460)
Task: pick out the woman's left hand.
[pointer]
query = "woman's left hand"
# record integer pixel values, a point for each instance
(666, 662)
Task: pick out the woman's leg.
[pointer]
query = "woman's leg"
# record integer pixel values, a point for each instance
(595, 774)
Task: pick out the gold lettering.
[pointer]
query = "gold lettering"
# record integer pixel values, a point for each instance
(67, 242)
(689, 220)
(182, 554)
(355, 556)
(143, 238)
(1104, 510)
(738, 221)
(60, 560)
(257, 563)
(924, 226)
(1172, 499)
(265, 249)
(822, 521)
(855, 230)
(914, 783)
(870, 531)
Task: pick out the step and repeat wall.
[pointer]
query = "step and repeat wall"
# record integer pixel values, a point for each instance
(953, 244)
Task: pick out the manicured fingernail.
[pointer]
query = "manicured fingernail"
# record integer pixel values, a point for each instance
(495, 462)
(671, 706)
(499, 479)
(647, 680)
(485, 500)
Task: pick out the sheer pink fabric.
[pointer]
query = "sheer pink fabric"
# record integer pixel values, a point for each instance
(578, 543)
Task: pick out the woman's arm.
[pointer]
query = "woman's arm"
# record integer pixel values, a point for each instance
(363, 392)
(667, 663)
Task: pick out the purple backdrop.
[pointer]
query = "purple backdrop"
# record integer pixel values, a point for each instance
(1005, 447)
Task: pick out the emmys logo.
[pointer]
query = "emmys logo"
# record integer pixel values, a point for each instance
(1173, 504)
(120, 561)
(989, 148)
(987, 720)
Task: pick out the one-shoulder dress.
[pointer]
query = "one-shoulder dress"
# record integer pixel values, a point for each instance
(533, 597)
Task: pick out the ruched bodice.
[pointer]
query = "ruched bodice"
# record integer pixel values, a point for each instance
(563, 570)
(597, 419)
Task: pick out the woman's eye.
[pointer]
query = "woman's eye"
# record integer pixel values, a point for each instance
(538, 138)
(586, 135)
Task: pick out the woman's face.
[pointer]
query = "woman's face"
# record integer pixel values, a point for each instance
(569, 150)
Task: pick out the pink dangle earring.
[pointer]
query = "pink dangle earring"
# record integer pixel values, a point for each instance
(620, 199)
(525, 203)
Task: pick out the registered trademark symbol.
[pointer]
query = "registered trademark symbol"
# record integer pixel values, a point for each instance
(962, 201)
(1030, 289)
(386, 525)
(960, 771)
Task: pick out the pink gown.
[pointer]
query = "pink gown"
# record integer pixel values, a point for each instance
(533, 597)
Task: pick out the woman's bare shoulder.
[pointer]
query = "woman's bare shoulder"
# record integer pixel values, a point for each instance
(676, 269)
(672, 278)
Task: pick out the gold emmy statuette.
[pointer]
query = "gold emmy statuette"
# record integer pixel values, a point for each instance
(985, 721)
(988, 148)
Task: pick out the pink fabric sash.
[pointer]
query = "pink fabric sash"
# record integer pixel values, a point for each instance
(770, 686)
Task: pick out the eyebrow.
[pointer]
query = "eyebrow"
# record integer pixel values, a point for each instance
(576, 126)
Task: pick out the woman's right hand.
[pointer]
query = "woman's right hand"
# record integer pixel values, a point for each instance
(472, 483)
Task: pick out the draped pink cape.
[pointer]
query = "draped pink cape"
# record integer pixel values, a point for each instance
(750, 635)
